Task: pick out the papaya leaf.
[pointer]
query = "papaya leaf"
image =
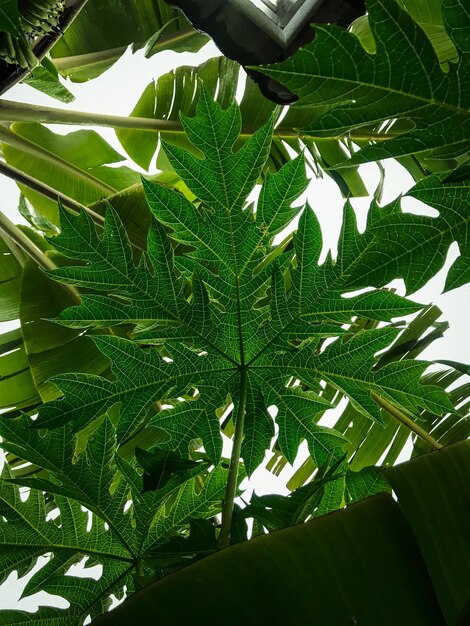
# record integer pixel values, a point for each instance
(416, 246)
(365, 483)
(160, 466)
(201, 539)
(178, 92)
(120, 540)
(402, 80)
(51, 350)
(233, 308)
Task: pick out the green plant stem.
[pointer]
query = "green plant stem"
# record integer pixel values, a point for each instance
(45, 190)
(139, 566)
(35, 150)
(49, 192)
(406, 421)
(15, 234)
(19, 112)
(230, 491)
(21, 240)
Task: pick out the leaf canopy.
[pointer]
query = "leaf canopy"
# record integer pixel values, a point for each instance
(402, 80)
(208, 317)
(416, 246)
(178, 92)
(233, 315)
(401, 553)
(77, 164)
(104, 532)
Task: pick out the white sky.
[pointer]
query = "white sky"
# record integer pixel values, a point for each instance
(116, 92)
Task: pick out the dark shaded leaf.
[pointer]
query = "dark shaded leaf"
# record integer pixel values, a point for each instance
(401, 80)
(160, 466)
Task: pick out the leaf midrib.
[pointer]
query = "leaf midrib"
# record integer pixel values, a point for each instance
(148, 385)
(151, 298)
(427, 101)
(317, 439)
(48, 547)
(324, 374)
(81, 498)
(26, 145)
(41, 534)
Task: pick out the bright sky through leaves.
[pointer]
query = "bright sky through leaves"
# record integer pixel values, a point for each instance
(255, 316)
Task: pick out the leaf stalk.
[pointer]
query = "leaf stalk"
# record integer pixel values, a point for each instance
(21, 112)
(232, 481)
(406, 421)
(11, 111)
(48, 192)
(66, 167)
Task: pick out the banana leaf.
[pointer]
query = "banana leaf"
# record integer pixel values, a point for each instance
(177, 92)
(17, 388)
(105, 28)
(376, 562)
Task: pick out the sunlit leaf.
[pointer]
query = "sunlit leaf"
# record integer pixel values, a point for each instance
(235, 316)
(111, 536)
(416, 246)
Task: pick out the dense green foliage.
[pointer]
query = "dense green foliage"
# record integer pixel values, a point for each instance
(163, 316)
(402, 80)
(236, 338)
(229, 321)
(402, 554)
(126, 544)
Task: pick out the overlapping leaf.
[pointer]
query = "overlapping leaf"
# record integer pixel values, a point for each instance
(233, 317)
(104, 30)
(17, 388)
(370, 443)
(178, 92)
(30, 355)
(115, 538)
(76, 164)
(402, 79)
(50, 350)
(26, 534)
(426, 13)
(416, 246)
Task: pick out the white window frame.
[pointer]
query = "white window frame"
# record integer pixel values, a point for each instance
(280, 19)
